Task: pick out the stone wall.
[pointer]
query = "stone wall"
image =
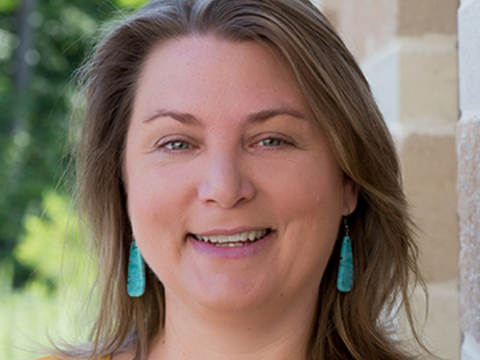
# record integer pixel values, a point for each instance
(468, 148)
(408, 50)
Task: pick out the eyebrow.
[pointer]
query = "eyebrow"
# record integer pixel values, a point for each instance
(184, 118)
(258, 117)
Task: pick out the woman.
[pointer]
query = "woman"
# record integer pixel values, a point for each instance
(234, 145)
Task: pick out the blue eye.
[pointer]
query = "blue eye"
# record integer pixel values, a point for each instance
(271, 142)
(177, 145)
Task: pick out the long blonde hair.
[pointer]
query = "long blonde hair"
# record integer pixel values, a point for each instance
(348, 326)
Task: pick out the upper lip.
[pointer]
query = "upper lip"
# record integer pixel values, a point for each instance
(228, 232)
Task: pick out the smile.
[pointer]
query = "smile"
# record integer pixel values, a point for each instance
(236, 240)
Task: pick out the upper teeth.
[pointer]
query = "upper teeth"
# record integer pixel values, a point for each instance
(243, 236)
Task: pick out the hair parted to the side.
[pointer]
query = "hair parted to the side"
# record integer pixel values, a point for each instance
(348, 326)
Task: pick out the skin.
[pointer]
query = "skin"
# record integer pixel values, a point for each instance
(222, 140)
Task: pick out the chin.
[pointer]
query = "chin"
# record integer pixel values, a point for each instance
(228, 294)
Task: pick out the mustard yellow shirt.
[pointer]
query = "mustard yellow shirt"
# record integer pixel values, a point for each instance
(54, 358)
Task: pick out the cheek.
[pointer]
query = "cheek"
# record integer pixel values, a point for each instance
(155, 209)
(156, 222)
(309, 203)
(309, 189)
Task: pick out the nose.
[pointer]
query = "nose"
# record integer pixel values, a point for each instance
(224, 182)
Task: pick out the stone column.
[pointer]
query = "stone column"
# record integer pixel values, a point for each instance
(468, 149)
(408, 50)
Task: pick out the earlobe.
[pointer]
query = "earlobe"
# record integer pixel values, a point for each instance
(350, 196)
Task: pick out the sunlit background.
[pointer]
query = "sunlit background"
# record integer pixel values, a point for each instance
(42, 43)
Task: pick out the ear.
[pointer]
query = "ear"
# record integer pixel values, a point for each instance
(350, 196)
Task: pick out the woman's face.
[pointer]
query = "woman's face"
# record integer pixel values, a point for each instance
(234, 195)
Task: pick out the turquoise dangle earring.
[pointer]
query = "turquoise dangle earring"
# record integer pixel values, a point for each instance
(136, 272)
(345, 271)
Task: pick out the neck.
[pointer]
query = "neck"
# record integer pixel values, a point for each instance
(276, 333)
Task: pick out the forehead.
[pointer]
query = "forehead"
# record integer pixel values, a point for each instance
(198, 70)
(210, 46)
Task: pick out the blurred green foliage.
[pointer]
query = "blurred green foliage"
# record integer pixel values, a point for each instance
(40, 50)
(51, 240)
(55, 291)
(7, 5)
(34, 119)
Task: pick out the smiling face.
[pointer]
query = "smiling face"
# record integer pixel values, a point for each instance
(234, 195)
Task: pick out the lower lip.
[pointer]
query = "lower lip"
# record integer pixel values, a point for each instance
(237, 252)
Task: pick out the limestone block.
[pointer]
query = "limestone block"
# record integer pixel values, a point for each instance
(468, 147)
(429, 82)
(382, 70)
(469, 55)
(429, 167)
(364, 25)
(419, 17)
(441, 328)
(415, 82)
